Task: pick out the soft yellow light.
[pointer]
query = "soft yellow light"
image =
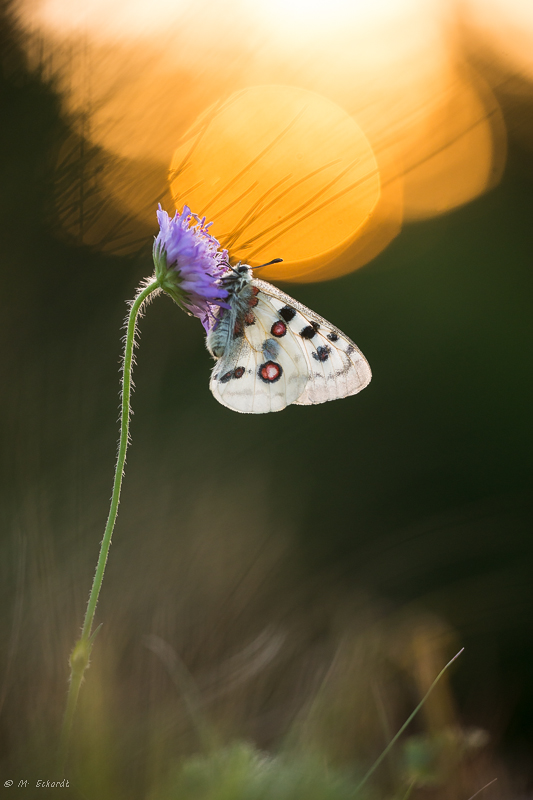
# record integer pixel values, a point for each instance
(102, 20)
(136, 78)
(457, 149)
(303, 19)
(283, 172)
(507, 27)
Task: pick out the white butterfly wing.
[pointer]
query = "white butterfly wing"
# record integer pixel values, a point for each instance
(336, 367)
(262, 370)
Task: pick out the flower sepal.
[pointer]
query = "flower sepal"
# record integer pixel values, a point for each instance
(168, 279)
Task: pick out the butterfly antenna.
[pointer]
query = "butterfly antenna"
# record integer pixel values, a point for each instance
(274, 261)
(228, 265)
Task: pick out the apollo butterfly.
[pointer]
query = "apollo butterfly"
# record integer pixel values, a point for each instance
(272, 351)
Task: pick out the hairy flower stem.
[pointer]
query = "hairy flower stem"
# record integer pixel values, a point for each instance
(80, 656)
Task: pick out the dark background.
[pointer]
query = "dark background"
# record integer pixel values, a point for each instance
(404, 509)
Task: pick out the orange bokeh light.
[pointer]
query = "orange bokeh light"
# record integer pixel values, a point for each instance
(283, 172)
(399, 129)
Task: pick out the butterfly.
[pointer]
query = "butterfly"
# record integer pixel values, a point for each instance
(272, 351)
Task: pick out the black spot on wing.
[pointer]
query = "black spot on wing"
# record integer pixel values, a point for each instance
(322, 353)
(333, 337)
(309, 331)
(287, 313)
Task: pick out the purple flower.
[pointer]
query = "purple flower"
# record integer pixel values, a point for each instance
(189, 264)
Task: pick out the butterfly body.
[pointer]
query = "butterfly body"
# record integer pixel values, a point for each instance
(239, 287)
(272, 351)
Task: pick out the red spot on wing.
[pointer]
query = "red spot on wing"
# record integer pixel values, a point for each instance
(278, 329)
(270, 371)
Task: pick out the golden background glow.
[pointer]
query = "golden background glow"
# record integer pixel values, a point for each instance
(391, 72)
(293, 581)
(282, 170)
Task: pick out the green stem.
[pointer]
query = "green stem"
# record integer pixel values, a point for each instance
(79, 659)
(378, 760)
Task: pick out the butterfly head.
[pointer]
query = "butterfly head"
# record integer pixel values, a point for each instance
(241, 274)
(244, 274)
(236, 278)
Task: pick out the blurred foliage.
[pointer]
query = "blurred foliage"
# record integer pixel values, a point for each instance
(309, 571)
(242, 773)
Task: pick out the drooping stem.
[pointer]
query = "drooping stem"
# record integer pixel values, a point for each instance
(79, 659)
